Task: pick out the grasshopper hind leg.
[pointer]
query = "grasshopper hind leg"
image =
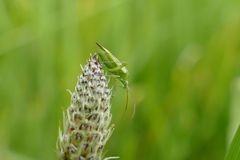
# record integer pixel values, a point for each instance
(126, 106)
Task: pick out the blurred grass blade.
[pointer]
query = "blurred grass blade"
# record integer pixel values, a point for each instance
(234, 150)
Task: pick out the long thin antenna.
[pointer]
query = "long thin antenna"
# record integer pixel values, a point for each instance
(102, 48)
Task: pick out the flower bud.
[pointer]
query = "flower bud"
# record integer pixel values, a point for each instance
(87, 119)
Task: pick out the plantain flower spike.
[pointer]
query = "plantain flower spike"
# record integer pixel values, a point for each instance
(86, 123)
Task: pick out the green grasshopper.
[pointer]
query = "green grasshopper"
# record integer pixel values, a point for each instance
(115, 67)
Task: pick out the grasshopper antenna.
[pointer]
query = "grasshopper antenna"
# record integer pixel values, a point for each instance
(100, 46)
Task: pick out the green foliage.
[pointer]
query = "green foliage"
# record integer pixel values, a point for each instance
(183, 60)
(234, 150)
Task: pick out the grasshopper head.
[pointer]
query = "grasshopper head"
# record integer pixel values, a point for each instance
(101, 47)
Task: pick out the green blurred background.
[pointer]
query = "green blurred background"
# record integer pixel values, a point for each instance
(183, 59)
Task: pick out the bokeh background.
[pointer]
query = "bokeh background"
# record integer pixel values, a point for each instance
(183, 59)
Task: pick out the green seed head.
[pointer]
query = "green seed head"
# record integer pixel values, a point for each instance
(87, 119)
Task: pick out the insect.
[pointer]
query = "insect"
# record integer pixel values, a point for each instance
(115, 67)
